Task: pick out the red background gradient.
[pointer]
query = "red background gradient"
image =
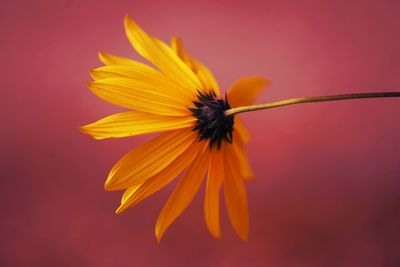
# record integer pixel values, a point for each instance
(328, 174)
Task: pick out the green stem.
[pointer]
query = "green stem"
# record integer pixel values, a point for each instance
(233, 111)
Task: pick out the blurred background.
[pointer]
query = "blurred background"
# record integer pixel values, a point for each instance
(327, 174)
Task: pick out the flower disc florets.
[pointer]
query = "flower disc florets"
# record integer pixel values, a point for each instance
(212, 123)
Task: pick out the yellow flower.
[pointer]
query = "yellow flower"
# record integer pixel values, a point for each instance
(181, 99)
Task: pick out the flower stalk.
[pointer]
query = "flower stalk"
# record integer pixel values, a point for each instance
(292, 101)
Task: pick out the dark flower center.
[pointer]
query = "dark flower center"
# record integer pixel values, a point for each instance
(212, 123)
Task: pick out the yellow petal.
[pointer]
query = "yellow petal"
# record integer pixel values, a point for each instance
(134, 123)
(245, 91)
(133, 195)
(235, 196)
(205, 76)
(109, 59)
(242, 131)
(141, 95)
(133, 69)
(183, 193)
(213, 186)
(148, 159)
(139, 71)
(161, 55)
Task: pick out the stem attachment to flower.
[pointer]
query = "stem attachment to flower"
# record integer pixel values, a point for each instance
(233, 111)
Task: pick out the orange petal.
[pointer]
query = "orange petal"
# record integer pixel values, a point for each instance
(242, 131)
(142, 95)
(139, 71)
(205, 76)
(183, 193)
(148, 159)
(133, 195)
(161, 55)
(245, 91)
(242, 160)
(213, 186)
(235, 195)
(135, 123)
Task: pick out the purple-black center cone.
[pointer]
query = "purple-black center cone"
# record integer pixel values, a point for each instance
(212, 123)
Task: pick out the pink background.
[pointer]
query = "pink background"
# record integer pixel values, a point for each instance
(327, 187)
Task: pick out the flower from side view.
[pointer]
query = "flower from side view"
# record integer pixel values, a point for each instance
(181, 100)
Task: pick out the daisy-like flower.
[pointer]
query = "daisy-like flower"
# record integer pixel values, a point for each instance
(181, 99)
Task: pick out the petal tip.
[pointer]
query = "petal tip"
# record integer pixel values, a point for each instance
(103, 56)
(120, 210)
(160, 229)
(129, 22)
(243, 233)
(83, 129)
(90, 84)
(87, 130)
(109, 185)
(94, 86)
(263, 82)
(176, 40)
(159, 235)
(267, 82)
(113, 182)
(216, 235)
(92, 74)
(127, 18)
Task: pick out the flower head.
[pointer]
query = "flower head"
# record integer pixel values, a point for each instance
(181, 99)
